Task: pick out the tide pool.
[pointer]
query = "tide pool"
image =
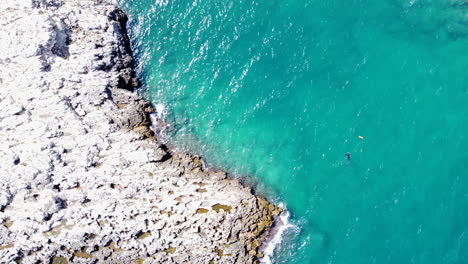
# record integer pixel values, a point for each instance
(280, 91)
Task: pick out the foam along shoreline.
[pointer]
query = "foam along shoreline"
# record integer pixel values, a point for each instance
(276, 235)
(82, 176)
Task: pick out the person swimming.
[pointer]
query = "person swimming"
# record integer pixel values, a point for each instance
(348, 155)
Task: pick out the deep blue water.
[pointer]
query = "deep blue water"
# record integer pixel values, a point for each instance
(280, 91)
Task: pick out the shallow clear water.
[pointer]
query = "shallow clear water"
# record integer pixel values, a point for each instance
(281, 91)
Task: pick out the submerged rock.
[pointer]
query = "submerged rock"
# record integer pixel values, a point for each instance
(82, 178)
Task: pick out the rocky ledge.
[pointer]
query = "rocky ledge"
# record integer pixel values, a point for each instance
(82, 177)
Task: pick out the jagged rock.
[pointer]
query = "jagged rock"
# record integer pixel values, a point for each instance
(82, 177)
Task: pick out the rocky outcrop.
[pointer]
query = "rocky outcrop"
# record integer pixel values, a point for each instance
(82, 177)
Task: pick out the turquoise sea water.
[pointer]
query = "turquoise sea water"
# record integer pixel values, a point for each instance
(281, 91)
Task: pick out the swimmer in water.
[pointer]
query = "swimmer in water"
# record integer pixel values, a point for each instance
(348, 155)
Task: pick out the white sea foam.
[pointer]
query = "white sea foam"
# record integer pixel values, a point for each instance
(160, 111)
(276, 236)
(159, 124)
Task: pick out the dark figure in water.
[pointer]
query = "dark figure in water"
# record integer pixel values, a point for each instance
(348, 155)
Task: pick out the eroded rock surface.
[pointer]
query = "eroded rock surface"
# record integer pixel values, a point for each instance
(82, 179)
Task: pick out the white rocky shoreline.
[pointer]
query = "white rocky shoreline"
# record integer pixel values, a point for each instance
(82, 177)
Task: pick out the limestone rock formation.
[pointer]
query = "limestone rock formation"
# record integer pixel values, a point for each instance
(82, 177)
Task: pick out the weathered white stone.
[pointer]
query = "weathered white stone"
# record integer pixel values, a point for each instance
(82, 178)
